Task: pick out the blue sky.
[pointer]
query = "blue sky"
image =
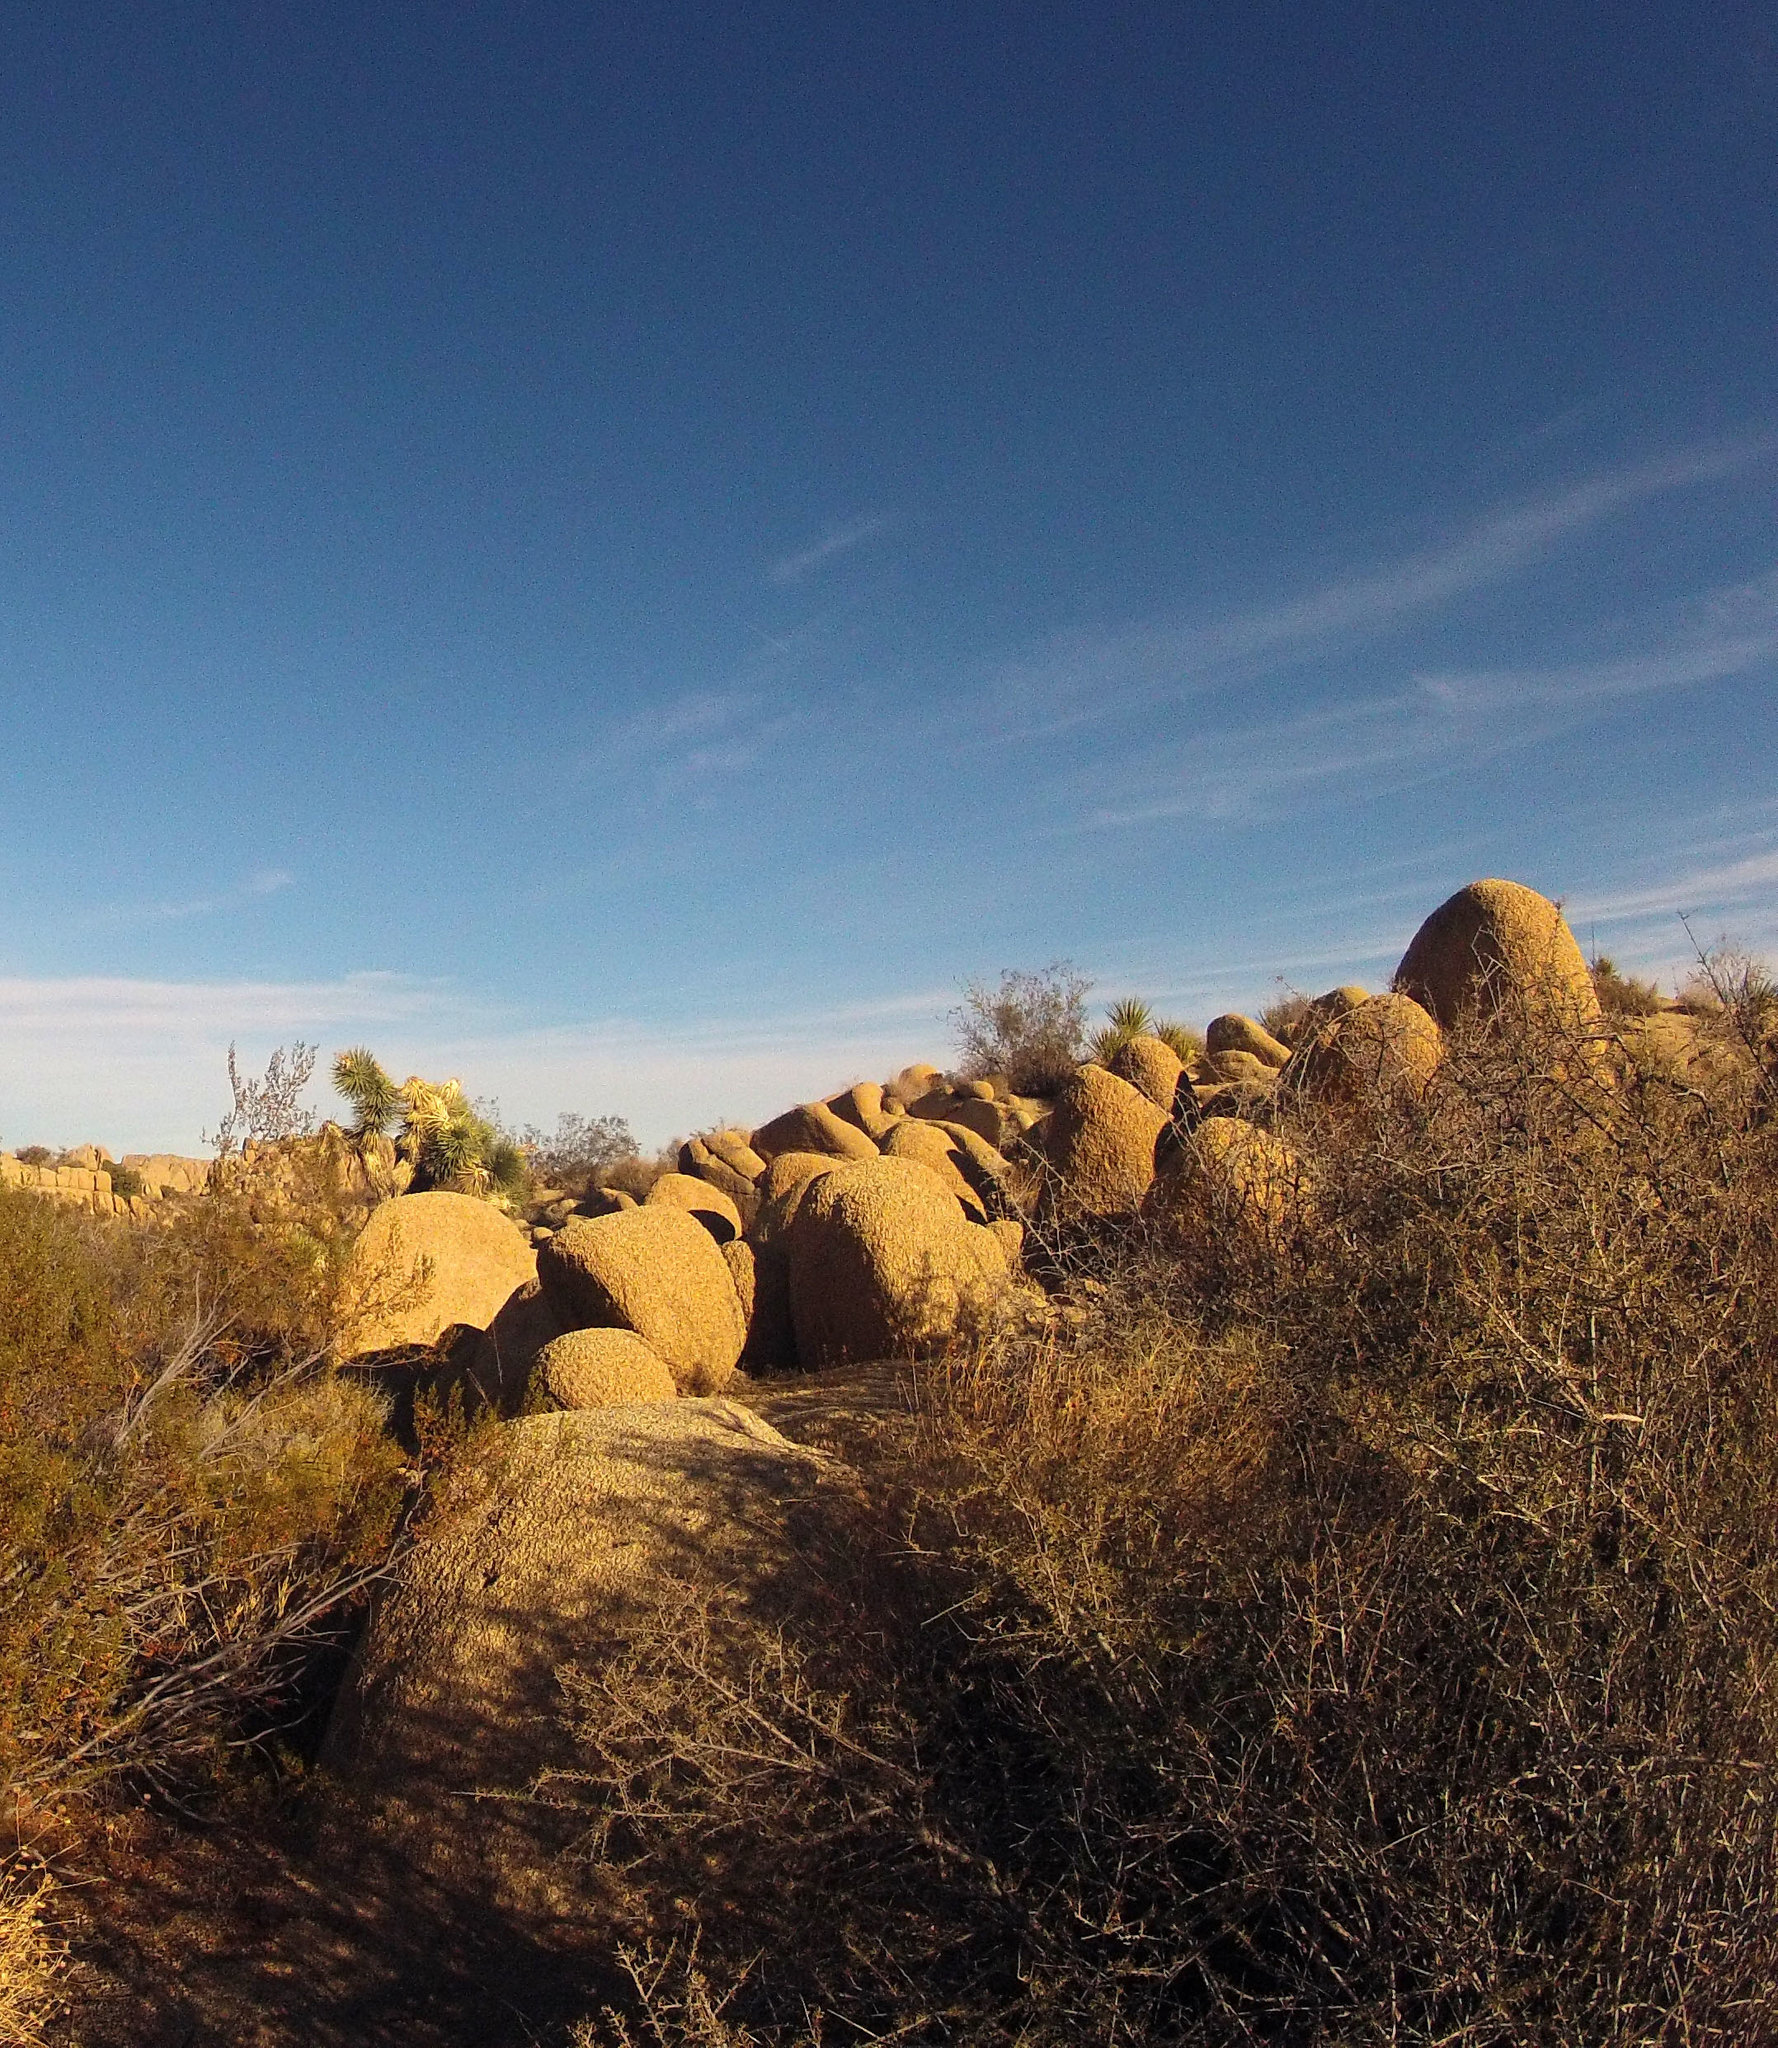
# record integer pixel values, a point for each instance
(625, 553)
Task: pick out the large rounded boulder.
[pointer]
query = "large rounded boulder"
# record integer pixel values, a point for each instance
(928, 1146)
(1152, 1065)
(1497, 947)
(657, 1271)
(423, 1263)
(1099, 1142)
(1385, 1046)
(1232, 1032)
(1231, 1180)
(699, 1198)
(812, 1127)
(604, 1369)
(883, 1264)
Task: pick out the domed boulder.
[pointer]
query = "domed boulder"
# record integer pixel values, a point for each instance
(697, 1197)
(1245, 1068)
(657, 1271)
(1099, 1141)
(735, 1150)
(1233, 1032)
(988, 1119)
(883, 1264)
(812, 1127)
(928, 1146)
(423, 1263)
(913, 1082)
(1230, 1179)
(1338, 1001)
(1152, 1065)
(1384, 1046)
(1497, 944)
(699, 1162)
(605, 1202)
(863, 1104)
(604, 1369)
(782, 1188)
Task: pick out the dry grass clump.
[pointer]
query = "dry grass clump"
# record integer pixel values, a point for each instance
(1364, 1639)
(188, 1491)
(30, 1961)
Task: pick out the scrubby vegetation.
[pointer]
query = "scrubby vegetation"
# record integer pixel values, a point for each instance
(447, 1140)
(1365, 1639)
(1031, 1027)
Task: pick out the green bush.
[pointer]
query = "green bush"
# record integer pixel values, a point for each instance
(188, 1490)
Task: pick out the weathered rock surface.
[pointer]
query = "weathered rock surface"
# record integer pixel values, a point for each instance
(1099, 1141)
(604, 1369)
(479, 1258)
(1233, 1032)
(812, 1127)
(883, 1264)
(1230, 1178)
(656, 1271)
(1152, 1065)
(1386, 1045)
(1496, 945)
(697, 1197)
(928, 1145)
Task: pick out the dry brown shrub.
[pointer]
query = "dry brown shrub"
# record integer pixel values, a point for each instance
(30, 1961)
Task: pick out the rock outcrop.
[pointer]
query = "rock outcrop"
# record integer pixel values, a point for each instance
(1384, 1046)
(604, 1369)
(1152, 1065)
(697, 1197)
(883, 1264)
(1233, 1032)
(1495, 946)
(812, 1127)
(425, 1262)
(1099, 1142)
(656, 1271)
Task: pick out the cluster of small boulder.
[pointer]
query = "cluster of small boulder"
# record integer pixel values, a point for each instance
(889, 1219)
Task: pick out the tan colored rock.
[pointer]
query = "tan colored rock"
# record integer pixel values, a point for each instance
(863, 1104)
(1011, 1233)
(981, 1091)
(698, 1198)
(579, 1529)
(1099, 1141)
(928, 1146)
(1497, 944)
(1245, 1067)
(1153, 1066)
(991, 1121)
(762, 1280)
(604, 1369)
(812, 1127)
(938, 1105)
(913, 1082)
(883, 1264)
(1235, 1033)
(1385, 1046)
(656, 1271)
(477, 1258)
(606, 1202)
(1231, 1178)
(697, 1160)
(782, 1188)
(1338, 1001)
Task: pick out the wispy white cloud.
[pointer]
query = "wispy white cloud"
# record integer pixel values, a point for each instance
(1431, 719)
(262, 883)
(840, 541)
(1080, 677)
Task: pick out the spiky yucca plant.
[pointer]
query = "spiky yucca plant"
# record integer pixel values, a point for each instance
(1183, 1040)
(375, 1099)
(1128, 1019)
(443, 1137)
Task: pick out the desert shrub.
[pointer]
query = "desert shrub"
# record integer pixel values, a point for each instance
(35, 1155)
(579, 1147)
(449, 1141)
(269, 1109)
(30, 1960)
(1031, 1028)
(1622, 995)
(637, 1173)
(126, 1181)
(1288, 1016)
(1365, 1638)
(189, 1495)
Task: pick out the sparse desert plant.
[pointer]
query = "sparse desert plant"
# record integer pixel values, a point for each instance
(30, 1960)
(269, 1109)
(126, 1181)
(35, 1155)
(1288, 1016)
(1128, 1018)
(376, 1101)
(578, 1148)
(1030, 1027)
(1184, 1040)
(1622, 995)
